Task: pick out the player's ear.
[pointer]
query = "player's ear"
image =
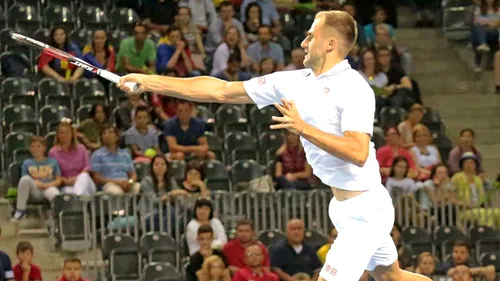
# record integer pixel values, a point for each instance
(331, 44)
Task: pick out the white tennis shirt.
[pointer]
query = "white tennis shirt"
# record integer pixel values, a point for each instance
(336, 101)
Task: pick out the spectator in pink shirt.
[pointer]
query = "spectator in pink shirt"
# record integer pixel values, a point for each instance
(73, 159)
(72, 270)
(393, 149)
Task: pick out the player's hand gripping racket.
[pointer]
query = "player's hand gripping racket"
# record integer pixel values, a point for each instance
(51, 51)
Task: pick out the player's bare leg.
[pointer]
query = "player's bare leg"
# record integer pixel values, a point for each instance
(394, 273)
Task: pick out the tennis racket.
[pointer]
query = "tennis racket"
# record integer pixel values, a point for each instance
(56, 53)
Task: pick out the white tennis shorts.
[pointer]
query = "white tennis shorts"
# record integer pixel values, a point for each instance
(364, 225)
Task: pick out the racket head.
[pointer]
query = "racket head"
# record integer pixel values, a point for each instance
(25, 40)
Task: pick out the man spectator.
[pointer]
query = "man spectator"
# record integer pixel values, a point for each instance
(398, 56)
(253, 270)
(461, 257)
(141, 136)
(379, 17)
(137, 53)
(6, 273)
(350, 8)
(297, 59)
(185, 134)
(159, 14)
(235, 249)
(72, 270)
(292, 255)
(323, 250)
(265, 48)
(25, 270)
(126, 111)
(222, 23)
(396, 76)
(233, 71)
(165, 107)
(112, 167)
(203, 13)
(205, 238)
(269, 11)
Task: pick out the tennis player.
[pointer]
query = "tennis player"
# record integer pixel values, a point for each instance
(332, 108)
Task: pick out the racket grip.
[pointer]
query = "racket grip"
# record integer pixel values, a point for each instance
(115, 79)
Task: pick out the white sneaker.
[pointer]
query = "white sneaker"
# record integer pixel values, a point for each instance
(483, 48)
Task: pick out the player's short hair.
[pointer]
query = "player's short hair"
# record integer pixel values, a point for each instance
(141, 108)
(24, 246)
(245, 222)
(344, 27)
(38, 139)
(71, 260)
(205, 229)
(462, 243)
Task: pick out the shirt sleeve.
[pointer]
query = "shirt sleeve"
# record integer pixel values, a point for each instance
(219, 232)
(57, 169)
(36, 274)
(267, 90)
(86, 160)
(266, 261)
(315, 262)
(6, 267)
(276, 257)
(168, 129)
(358, 110)
(130, 163)
(238, 276)
(191, 233)
(95, 162)
(24, 169)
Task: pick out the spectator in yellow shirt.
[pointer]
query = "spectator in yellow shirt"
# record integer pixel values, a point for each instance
(323, 250)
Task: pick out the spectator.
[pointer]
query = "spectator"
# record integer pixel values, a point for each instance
(379, 16)
(265, 48)
(323, 250)
(112, 167)
(141, 137)
(301, 276)
(56, 68)
(232, 45)
(88, 131)
(213, 269)
(192, 35)
(350, 8)
(426, 155)
(253, 15)
(398, 183)
(205, 238)
(291, 169)
(465, 144)
(204, 215)
(225, 21)
(159, 15)
(485, 29)
(165, 107)
(194, 179)
(40, 177)
(266, 66)
(439, 192)
(413, 117)
(269, 13)
(254, 257)
(235, 250)
(462, 273)
(137, 53)
(383, 39)
(6, 273)
(297, 60)
(126, 111)
(392, 149)
(203, 13)
(26, 270)
(461, 257)
(100, 54)
(370, 69)
(73, 160)
(426, 264)
(293, 255)
(396, 76)
(280, 38)
(404, 254)
(175, 54)
(233, 71)
(185, 134)
(72, 270)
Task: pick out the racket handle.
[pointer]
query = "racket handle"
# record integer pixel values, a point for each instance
(115, 79)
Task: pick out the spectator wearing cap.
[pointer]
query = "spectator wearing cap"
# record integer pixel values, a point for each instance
(379, 17)
(233, 71)
(465, 144)
(88, 131)
(204, 215)
(265, 48)
(405, 128)
(137, 53)
(297, 59)
(159, 14)
(268, 8)
(26, 270)
(253, 269)
(293, 255)
(222, 23)
(235, 249)
(232, 45)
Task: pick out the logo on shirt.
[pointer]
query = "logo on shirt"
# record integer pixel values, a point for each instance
(261, 80)
(326, 90)
(330, 270)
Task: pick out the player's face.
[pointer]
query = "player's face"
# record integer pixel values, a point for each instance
(427, 265)
(160, 167)
(460, 255)
(37, 149)
(99, 38)
(72, 271)
(384, 58)
(205, 240)
(141, 119)
(244, 233)
(314, 45)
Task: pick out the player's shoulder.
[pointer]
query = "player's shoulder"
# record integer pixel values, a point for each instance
(292, 74)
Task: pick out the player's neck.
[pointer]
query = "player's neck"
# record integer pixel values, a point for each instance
(328, 64)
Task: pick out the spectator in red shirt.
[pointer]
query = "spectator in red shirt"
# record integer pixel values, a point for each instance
(72, 270)
(392, 149)
(165, 107)
(25, 270)
(254, 271)
(234, 250)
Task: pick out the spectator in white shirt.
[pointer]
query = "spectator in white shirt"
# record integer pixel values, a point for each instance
(371, 71)
(426, 155)
(204, 215)
(222, 24)
(232, 45)
(297, 59)
(398, 183)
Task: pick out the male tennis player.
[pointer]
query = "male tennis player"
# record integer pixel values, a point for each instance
(332, 108)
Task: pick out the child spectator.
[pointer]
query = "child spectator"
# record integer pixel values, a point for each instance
(141, 137)
(25, 270)
(426, 264)
(72, 270)
(398, 182)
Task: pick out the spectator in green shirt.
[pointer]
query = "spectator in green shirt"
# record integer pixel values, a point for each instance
(138, 53)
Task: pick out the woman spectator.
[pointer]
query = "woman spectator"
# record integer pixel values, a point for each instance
(370, 69)
(56, 68)
(266, 66)
(204, 215)
(413, 117)
(192, 35)
(292, 170)
(194, 179)
(426, 264)
(485, 29)
(465, 144)
(175, 53)
(213, 269)
(100, 53)
(73, 160)
(392, 149)
(427, 155)
(253, 16)
(398, 183)
(231, 45)
(88, 132)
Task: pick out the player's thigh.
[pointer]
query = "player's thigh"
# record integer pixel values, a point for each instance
(348, 257)
(385, 255)
(391, 272)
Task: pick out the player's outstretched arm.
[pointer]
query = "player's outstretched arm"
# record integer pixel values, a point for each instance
(201, 89)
